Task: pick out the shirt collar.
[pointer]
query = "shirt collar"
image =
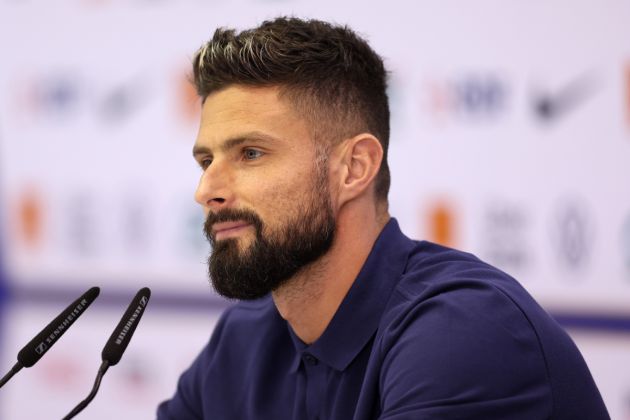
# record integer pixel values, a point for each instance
(358, 316)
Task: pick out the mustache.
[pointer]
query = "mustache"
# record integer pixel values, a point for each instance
(230, 215)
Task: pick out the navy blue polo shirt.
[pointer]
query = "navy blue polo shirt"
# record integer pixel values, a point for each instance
(425, 332)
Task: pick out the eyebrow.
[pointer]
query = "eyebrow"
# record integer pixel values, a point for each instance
(253, 136)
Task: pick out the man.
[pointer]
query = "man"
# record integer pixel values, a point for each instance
(341, 315)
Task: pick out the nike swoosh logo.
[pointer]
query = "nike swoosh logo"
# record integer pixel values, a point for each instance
(548, 107)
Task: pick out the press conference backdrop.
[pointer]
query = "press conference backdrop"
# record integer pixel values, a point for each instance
(510, 139)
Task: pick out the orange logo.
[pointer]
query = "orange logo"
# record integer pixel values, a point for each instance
(30, 218)
(441, 224)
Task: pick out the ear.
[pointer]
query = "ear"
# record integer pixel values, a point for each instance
(360, 160)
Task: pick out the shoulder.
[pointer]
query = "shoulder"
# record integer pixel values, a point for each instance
(431, 265)
(452, 301)
(455, 333)
(454, 295)
(437, 273)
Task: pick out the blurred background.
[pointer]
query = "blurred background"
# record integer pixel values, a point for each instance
(510, 139)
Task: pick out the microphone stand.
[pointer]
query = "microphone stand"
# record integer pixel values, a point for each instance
(15, 369)
(97, 383)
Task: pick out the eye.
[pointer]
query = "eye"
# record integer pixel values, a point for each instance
(251, 154)
(204, 163)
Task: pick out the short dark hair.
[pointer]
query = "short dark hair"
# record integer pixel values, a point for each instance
(328, 73)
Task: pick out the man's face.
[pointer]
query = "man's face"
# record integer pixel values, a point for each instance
(264, 190)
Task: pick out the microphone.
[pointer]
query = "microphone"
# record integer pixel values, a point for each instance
(42, 342)
(117, 343)
(119, 340)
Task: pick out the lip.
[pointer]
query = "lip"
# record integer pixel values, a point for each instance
(228, 229)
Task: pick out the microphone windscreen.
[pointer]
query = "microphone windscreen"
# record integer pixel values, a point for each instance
(118, 341)
(38, 346)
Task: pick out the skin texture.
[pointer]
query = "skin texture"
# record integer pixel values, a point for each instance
(257, 153)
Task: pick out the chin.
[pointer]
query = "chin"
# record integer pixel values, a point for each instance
(244, 243)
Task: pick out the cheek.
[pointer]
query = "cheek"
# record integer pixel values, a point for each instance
(282, 197)
(277, 200)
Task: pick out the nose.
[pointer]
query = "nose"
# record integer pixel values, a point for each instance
(213, 191)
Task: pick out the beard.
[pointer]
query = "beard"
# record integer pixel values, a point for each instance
(273, 258)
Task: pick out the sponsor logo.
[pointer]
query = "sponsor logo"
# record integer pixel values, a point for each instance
(41, 348)
(470, 97)
(573, 235)
(54, 96)
(441, 224)
(121, 102)
(81, 225)
(64, 95)
(506, 243)
(549, 106)
(62, 326)
(131, 320)
(30, 217)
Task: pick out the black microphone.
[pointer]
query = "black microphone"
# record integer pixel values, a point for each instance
(117, 343)
(42, 342)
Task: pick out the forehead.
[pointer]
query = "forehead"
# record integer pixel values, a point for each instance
(237, 110)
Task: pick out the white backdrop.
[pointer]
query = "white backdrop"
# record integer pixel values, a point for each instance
(510, 139)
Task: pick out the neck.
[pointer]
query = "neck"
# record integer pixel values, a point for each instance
(310, 299)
